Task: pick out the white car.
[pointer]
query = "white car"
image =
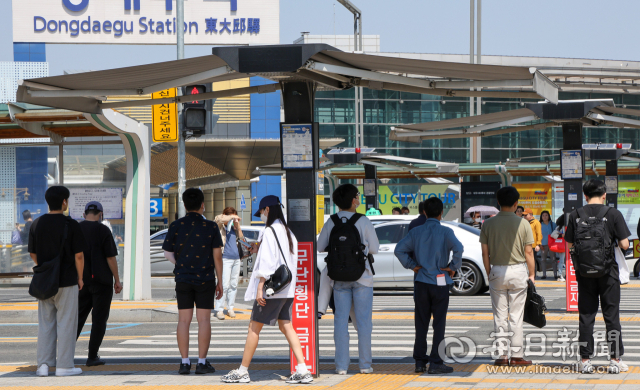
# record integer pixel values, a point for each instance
(470, 280)
(163, 267)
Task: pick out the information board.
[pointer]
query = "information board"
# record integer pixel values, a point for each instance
(110, 198)
(571, 164)
(297, 146)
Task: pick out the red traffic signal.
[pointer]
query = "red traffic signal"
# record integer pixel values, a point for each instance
(195, 90)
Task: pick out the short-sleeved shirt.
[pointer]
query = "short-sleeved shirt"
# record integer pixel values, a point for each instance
(615, 225)
(507, 235)
(192, 240)
(45, 239)
(231, 244)
(99, 246)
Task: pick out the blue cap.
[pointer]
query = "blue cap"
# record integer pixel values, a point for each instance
(93, 205)
(267, 201)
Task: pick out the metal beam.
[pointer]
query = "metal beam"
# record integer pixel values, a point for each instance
(544, 87)
(367, 74)
(634, 123)
(83, 92)
(510, 122)
(483, 84)
(190, 98)
(191, 79)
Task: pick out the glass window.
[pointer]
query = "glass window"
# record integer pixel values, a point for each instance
(389, 234)
(160, 237)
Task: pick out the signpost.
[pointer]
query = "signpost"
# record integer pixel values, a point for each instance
(165, 118)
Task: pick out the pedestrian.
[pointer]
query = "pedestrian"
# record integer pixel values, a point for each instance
(359, 292)
(422, 217)
(24, 233)
(519, 211)
(194, 245)
(100, 270)
(476, 220)
(396, 211)
(560, 226)
(507, 255)
(426, 250)
(547, 226)
(535, 228)
(16, 238)
(229, 224)
(58, 315)
(597, 272)
(405, 210)
(279, 246)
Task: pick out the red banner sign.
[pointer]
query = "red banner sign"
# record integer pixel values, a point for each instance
(572, 284)
(304, 308)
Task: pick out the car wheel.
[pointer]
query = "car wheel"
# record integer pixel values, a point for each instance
(636, 268)
(468, 280)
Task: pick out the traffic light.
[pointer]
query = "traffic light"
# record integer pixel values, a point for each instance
(195, 113)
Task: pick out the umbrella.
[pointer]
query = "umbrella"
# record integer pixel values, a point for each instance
(484, 210)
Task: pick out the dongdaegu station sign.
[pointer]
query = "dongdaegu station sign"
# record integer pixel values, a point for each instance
(207, 22)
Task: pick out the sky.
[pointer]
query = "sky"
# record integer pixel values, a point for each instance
(541, 28)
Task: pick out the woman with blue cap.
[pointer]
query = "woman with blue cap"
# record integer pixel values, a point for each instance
(278, 245)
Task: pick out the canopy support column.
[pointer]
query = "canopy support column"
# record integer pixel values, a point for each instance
(135, 138)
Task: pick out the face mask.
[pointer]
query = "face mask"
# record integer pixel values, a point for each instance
(478, 219)
(263, 218)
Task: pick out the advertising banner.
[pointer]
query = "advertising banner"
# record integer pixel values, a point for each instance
(572, 283)
(407, 196)
(151, 22)
(304, 308)
(535, 196)
(629, 203)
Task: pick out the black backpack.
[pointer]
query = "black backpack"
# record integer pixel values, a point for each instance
(346, 259)
(592, 246)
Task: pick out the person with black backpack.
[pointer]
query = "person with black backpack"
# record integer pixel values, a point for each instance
(592, 232)
(349, 238)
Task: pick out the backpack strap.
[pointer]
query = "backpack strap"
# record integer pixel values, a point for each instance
(335, 219)
(603, 212)
(583, 216)
(354, 218)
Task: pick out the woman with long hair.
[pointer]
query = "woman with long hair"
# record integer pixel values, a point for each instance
(229, 224)
(547, 226)
(278, 245)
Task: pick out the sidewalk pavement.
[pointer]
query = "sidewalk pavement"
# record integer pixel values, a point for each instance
(266, 376)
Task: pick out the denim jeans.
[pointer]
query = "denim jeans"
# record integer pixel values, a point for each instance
(230, 275)
(346, 294)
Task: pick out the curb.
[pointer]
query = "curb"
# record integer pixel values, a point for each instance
(156, 282)
(135, 315)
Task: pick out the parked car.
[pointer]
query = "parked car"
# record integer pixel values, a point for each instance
(470, 280)
(163, 267)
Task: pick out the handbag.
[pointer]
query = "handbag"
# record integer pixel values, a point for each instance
(534, 307)
(281, 278)
(556, 245)
(46, 276)
(244, 248)
(623, 268)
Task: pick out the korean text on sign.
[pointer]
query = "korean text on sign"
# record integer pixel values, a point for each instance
(165, 117)
(304, 307)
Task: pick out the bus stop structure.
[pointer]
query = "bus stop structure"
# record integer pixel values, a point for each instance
(298, 71)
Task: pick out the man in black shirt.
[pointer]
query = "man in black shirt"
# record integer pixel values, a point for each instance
(58, 315)
(422, 218)
(194, 245)
(28, 221)
(100, 268)
(606, 288)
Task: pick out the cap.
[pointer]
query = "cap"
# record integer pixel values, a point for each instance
(267, 201)
(527, 211)
(93, 205)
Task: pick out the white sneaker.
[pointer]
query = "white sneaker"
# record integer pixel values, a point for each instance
(68, 371)
(235, 376)
(617, 366)
(586, 367)
(561, 279)
(231, 313)
(366, 370)
(43, 370)
(341, 372)
(220, 315)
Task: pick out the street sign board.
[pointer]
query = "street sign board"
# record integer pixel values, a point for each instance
(110, 198)
(155, 208)
(165, 117)
(243, 204)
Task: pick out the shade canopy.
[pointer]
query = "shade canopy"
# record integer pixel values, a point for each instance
(322, 64)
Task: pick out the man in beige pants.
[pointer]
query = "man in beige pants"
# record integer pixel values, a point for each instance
(508, 259)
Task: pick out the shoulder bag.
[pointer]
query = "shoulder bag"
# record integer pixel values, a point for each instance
(46, 276)
(281, 278)
(534, 307)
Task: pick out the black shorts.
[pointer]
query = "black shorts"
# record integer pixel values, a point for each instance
(275, 309)
(202, 295)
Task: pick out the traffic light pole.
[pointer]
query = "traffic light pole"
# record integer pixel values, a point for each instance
(182, 157)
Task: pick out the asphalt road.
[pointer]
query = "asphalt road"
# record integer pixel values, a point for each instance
(392, 338)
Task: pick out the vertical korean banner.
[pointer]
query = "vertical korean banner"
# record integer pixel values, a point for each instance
(165, 117)
(304, 308)
(572, 283)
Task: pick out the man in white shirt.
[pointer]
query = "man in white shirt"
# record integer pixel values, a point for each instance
(358, 293)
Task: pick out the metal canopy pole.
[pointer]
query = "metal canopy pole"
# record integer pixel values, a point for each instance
(612, 170)
(182, 154)
(472, 12)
